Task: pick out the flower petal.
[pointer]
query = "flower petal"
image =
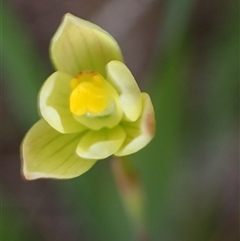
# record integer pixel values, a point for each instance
(54, 104)
(49, 154)
(130, 96)
(140, 132)
(101, 144)
(80, 45)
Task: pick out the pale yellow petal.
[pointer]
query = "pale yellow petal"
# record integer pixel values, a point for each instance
(129, 93)
(101, 144)
(46, 153)
(80, 45)
(54, 104)
(140, 132)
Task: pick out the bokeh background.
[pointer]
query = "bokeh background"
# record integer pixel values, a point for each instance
(185, 53)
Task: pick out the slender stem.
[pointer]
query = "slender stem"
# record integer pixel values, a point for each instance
(131, 192)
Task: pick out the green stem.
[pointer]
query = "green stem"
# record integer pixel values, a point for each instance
(131, 193)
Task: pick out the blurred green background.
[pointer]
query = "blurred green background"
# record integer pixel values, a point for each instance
(185, 53)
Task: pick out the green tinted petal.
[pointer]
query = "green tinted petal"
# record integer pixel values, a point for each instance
(47, 153)
(80, 45)
(101, 144)
(130, 96)
(54, 104)
(140, 132)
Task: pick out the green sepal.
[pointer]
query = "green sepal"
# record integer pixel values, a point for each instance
(80, 45)
(46, 153)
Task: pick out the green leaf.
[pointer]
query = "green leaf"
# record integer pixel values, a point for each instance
(22, 69)
(49, 154)
(80, 45)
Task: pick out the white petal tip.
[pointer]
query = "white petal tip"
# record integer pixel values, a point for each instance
(31, 176)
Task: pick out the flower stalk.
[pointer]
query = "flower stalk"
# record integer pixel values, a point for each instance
(132, 195)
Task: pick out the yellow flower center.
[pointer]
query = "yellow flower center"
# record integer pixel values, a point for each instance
(90, 94)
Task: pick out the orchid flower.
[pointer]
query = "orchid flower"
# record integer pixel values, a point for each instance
(91, 107)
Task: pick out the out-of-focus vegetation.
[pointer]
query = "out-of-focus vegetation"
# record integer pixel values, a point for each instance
(189, 171)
